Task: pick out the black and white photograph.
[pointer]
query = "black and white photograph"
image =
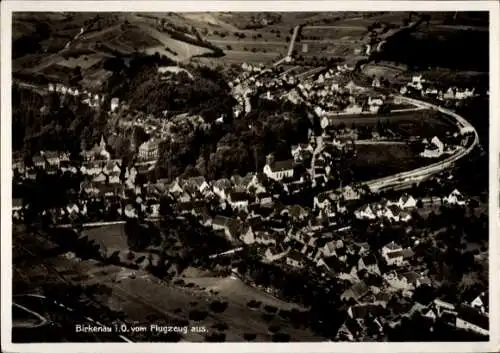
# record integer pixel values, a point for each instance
(247, 176)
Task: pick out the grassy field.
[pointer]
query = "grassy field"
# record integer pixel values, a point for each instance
(147, 300)
(377, 161)
(411, 123)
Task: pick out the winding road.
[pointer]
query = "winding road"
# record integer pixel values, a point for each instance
(407, 179)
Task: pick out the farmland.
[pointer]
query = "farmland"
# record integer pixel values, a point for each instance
(411, 123)
(377, 161)
(145, 297)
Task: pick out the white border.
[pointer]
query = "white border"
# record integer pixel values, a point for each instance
(8, 7)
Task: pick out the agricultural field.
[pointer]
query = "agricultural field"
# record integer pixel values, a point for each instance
(422, 123)
(377, 161)
(218, 305)
(238, 57)
(84, 62)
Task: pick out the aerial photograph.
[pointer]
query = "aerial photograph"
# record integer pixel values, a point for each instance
(250, 176)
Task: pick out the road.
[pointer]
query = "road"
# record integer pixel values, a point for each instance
(288, 56)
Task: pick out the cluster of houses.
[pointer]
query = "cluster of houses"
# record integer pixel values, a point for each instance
(426, 89)
(400, 210)
(93, 100)
(334, 94)
(391, 211)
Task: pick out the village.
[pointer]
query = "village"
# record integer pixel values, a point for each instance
(357, 197)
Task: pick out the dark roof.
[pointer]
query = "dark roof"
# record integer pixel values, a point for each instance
(408, 252)
(411, 276)
(295, 255)
(395, 254)
(362, 311)
(221, 220)
(369, 260)
(359, 289)
(393, 246)
(282, 165)
(239, 196)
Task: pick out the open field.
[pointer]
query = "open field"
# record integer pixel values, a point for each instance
(143, 297)
(239, 57)
(377, 161)
(232, 287)
(411, 123)
(84, 61)
(184, 50)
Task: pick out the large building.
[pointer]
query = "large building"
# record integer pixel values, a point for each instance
(278, 170)
(150, 149)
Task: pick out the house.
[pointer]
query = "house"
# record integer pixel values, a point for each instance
(264, 199)
(365, 212)
(481, 302)
(329, 249)
(150, 149)
(271, 255)
(91, 168)
(114, 178)
(100, 178)
(52, 157)
(369, 263)
(301, 151)
(256, 184)
(407, 201)
(39, 162)
(264, 238)
(350, 194)
(392, 213)
(391, 248)
(356, 292)
(365, 311)
(238, 200)
(115, 103)
(199, 183)
(184, 198)
(280, 169)
(175, 187)
(321, 201)
(248, 236)
(398, 282)
(295, 259)
(112, 166)
(221, 188)
(456, 198)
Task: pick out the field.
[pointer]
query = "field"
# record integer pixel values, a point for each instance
(411, 123)
(84, 61)
(377, 161)
(385, 71)
(145, 299)
(238, 57)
